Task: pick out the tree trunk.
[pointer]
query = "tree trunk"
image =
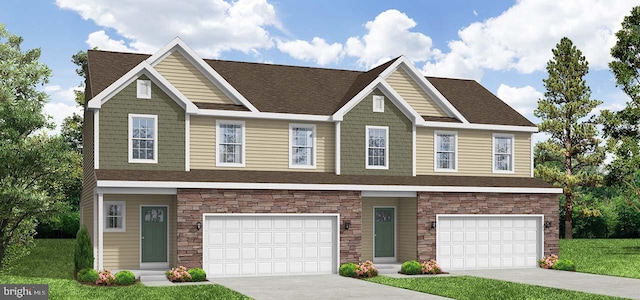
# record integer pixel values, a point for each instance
(568, 217)
(2, 252)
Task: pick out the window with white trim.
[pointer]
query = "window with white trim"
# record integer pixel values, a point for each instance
(230, 148)
(143, 89)
(114, 216)
(446, 156)
(377, 152)
(503, 153)
(143, 138)
(302, 146)
(378, 103)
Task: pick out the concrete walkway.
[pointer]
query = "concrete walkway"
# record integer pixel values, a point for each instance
(582, 282)
(311, 287)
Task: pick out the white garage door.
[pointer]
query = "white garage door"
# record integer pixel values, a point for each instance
(488, 241)
(269, 244)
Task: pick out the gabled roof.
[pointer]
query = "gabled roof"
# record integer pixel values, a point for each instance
(315, 91)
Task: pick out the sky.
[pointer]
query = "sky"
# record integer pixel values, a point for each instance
(504, 45)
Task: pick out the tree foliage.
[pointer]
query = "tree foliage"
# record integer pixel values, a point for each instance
(622, 128)
(30, 162)
(572, 153)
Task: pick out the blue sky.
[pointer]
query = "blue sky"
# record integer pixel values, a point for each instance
(502, 44)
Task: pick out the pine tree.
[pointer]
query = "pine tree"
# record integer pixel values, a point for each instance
(563, 110)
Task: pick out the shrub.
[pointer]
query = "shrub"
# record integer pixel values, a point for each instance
(431, 267)
(348, 270)
(564, 265)
(178, 274)
(125, 278)
(197, 274)
(88, 275)
(411, 267)
(105, 278)
(548, 262)
(83, 252)
(366, 269)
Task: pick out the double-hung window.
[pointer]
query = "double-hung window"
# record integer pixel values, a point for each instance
(446, 151)
(230, 146)
(302, 146)
(377, 144)
(114, 216)
(503, 153)
(143, 138)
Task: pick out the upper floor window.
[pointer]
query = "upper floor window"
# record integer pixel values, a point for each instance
(144, 89)
(302, 146)
(378, 103)
(377, 152)
(143, 138)
(114, 216)
(230, 146)
(503, 153)
(446, 154)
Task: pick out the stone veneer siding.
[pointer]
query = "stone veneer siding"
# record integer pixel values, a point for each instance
(192, 203)
(429, 204)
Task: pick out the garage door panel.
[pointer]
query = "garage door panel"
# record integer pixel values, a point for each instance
(270, 245)
(500, 241)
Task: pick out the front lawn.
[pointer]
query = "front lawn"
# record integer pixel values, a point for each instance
(616, 257)
(51, 262)
(467, 287)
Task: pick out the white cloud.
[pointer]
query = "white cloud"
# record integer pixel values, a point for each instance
(318, 50)
(62, 104)
(523, 99)
(522, 37)
(209, 26)
(389, 35)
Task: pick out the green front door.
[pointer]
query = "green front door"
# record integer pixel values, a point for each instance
(154, 234)
(384, 232)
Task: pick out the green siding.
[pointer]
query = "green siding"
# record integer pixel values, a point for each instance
(352, 138)
(114, 126)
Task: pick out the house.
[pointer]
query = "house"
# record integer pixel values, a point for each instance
(250, 169)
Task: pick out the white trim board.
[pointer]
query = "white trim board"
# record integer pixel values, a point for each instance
(323, 187)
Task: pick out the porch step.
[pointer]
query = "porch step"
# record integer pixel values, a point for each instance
(150, 278)
(388, 268)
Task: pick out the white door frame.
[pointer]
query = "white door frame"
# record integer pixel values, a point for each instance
(395, 236)
(540, 238)
(336, 238)
(153, 265)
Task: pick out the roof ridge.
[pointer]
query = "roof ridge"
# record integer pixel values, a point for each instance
(449, 78)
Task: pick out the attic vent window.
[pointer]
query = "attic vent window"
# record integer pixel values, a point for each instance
(378, 103)
(144, 89)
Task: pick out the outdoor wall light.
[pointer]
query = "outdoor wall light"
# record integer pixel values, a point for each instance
(433, 225)
(547, 224)
(198, 225)
(347, 225)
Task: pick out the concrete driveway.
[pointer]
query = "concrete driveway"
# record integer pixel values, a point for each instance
(311, 287)
(582, 282)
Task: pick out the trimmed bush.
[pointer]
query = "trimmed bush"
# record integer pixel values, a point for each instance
(83, 252)
(348, 270)
(125, 278)
(411, 267)
(88, 275)
(564, 265)
(197, 274)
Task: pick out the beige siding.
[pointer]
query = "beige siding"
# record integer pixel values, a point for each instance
(415, 96)
(190, 81)
(122, 249)
(406, 230)
(267, 145)
(474, 153)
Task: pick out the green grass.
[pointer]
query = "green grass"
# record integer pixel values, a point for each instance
(467, 287)
(51, 262)
(616, 257)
